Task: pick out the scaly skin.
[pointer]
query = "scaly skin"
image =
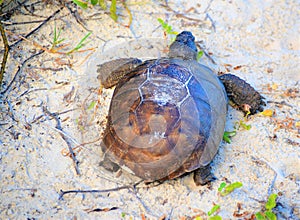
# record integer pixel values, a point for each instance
(242, 94)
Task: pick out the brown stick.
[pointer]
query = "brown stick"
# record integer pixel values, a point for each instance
(5, 55)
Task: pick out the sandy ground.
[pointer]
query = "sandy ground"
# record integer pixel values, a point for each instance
(256, 40)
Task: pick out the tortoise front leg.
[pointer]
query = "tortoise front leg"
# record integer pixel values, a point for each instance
(111, 72)
(203, 175)
(242, 94)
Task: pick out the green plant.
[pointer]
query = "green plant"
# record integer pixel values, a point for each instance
(199, 55)
(56, 39)
(238, 124)
(268, 214)
(225, 190)
(81, 44)
(242, 124)
(166, 27)
(212, 213)
(227, 136)
(113, 7)
(55, 48)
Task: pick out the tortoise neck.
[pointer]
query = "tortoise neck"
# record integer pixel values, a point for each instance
(182, 51)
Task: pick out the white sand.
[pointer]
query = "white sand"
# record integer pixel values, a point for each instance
(260, 36)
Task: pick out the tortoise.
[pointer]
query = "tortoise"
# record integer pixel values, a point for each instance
(167, 116)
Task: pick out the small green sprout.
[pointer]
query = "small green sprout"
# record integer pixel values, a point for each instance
(216, 217)
(242, 124)
(222, 186)
(167, 28)
(213, 210)
(56, 37)
(212, 213)
(113, 7)
(80, 44)
(81, 4)
(199, 55)
(91, 105)
(113, 10)
(123, 214)
(227, 136)
(94, 2)
(268, 214)
(225, 190)
(102, 4)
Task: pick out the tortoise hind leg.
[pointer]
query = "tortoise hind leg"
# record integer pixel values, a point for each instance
(112, 71)
(203, 175)
(107, 164)
(242, 94)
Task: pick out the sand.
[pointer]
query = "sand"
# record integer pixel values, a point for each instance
(53, 96)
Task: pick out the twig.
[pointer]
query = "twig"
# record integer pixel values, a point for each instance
(35, 29)
(7, 23)
(62, 193)
(275, 173)
(12, 9)
(178, 14)
(5, 55)
(77, 17)
(133, 186)
(141, 201)
(56, 113)
(20, 67)
(64, 137)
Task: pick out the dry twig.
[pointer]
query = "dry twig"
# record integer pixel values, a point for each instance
(35, 29)
(62, 193)
(5, 55)
(20, 67)
(64, 137)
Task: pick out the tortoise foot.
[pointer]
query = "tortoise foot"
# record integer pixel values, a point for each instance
(203, 176)
(109, 165)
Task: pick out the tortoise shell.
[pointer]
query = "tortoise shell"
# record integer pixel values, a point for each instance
(166, 118)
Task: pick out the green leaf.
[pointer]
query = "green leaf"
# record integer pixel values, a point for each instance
(259, 216)
(80, 44)
(102, 4)
(56, 36)
(227, 136)
(167, 28)
(113, 10)
(230, 188)
(123, 214)
(199, 55)
(271, 203)
(222, 186)
(92, 105)
(81, 4)
(94, 2)
(213, 210)
(270, 215)
(244, 125)
(216, 217)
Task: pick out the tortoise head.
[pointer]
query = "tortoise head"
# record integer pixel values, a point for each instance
(184, 47)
